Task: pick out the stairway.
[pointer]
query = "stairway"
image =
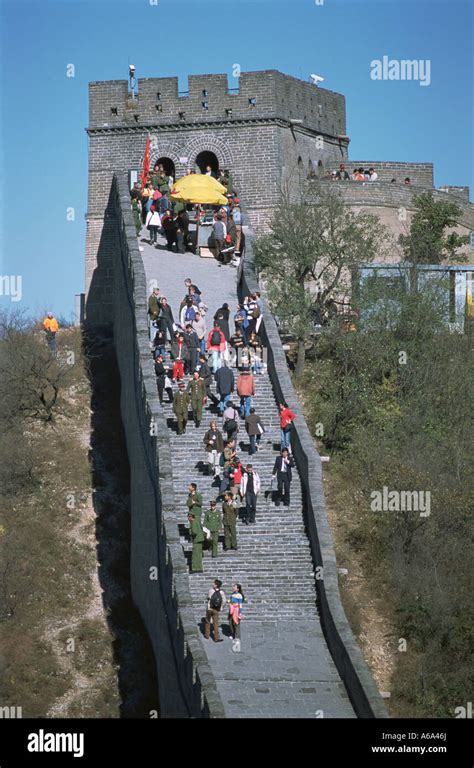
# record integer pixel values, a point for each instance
(284, 668)
(273, 562)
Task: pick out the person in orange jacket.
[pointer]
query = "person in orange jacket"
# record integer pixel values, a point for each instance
(246, 390)
(51, 327)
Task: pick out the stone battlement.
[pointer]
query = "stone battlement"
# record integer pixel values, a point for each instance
(253, 96)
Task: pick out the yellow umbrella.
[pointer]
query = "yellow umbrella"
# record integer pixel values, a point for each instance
(199, 188)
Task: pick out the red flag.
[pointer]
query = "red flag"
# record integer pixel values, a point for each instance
(146, 161)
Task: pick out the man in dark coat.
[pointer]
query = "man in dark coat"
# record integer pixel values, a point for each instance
(255, 429)
(165, 318)
(225, 384)
(160, 377)
(191, 341)
(282, 473)
(206, 374)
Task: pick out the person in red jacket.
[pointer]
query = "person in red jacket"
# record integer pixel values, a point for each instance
(216, 344)
(286, 419)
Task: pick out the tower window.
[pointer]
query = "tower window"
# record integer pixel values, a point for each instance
(113, 110)
(204, 94)
(252, 102)
(158, 96)
(205, 105)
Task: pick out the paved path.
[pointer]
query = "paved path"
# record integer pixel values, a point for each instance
(284, 668)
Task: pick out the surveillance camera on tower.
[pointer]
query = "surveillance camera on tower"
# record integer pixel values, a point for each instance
(131, 70)
(315, 79)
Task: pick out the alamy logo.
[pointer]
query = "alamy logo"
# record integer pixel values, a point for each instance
(11, 712)
(56, 742)
(10, 285)
(401, 501)
(401, 69)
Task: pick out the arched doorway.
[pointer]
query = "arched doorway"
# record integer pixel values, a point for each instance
(207, 158)
(168, 166)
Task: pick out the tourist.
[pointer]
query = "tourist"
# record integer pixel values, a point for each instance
(199, 327)
(220, 232)
(179, 353)
(407, 181)
(160, 373)
(221, 320)
(237, 343)
(216, 600)
(224, 385)
(255, 429)
(182, 230)
(373, 176)
(236, 470)
(249, 489)
(286, 419)
(214, 444)
(50, 327)
(237, 219)
(342, 174)
(256, 353)
(230, 422)
(210, 172)
(159, 342)
(165, 318)
(282, 473)
(216, 344)
(191, 342)
(206, 375)
(245, 390)
(235, 610)
(154, 309)
(153, 224)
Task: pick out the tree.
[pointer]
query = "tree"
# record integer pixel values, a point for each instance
(32, 380)
(426, 243)
(307, 258)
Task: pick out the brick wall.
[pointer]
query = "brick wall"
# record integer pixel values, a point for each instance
(341, 643)
(275, 94)
(185, 680)
(420, 173)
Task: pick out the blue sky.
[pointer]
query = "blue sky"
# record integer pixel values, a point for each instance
(44, 113)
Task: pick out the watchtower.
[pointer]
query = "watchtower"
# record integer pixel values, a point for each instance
(271, 128)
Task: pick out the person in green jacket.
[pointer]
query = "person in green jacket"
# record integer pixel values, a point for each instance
(194, 500)
(197, 392)
(136, 216)
(197, 538)
(229, 519)
(181, 408)
(212, 520)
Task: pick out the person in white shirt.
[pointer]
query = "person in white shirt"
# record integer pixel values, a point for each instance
(153, 223)
(249, 489)
(373, 176)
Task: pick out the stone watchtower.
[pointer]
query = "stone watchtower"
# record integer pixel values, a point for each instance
(271, 128)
